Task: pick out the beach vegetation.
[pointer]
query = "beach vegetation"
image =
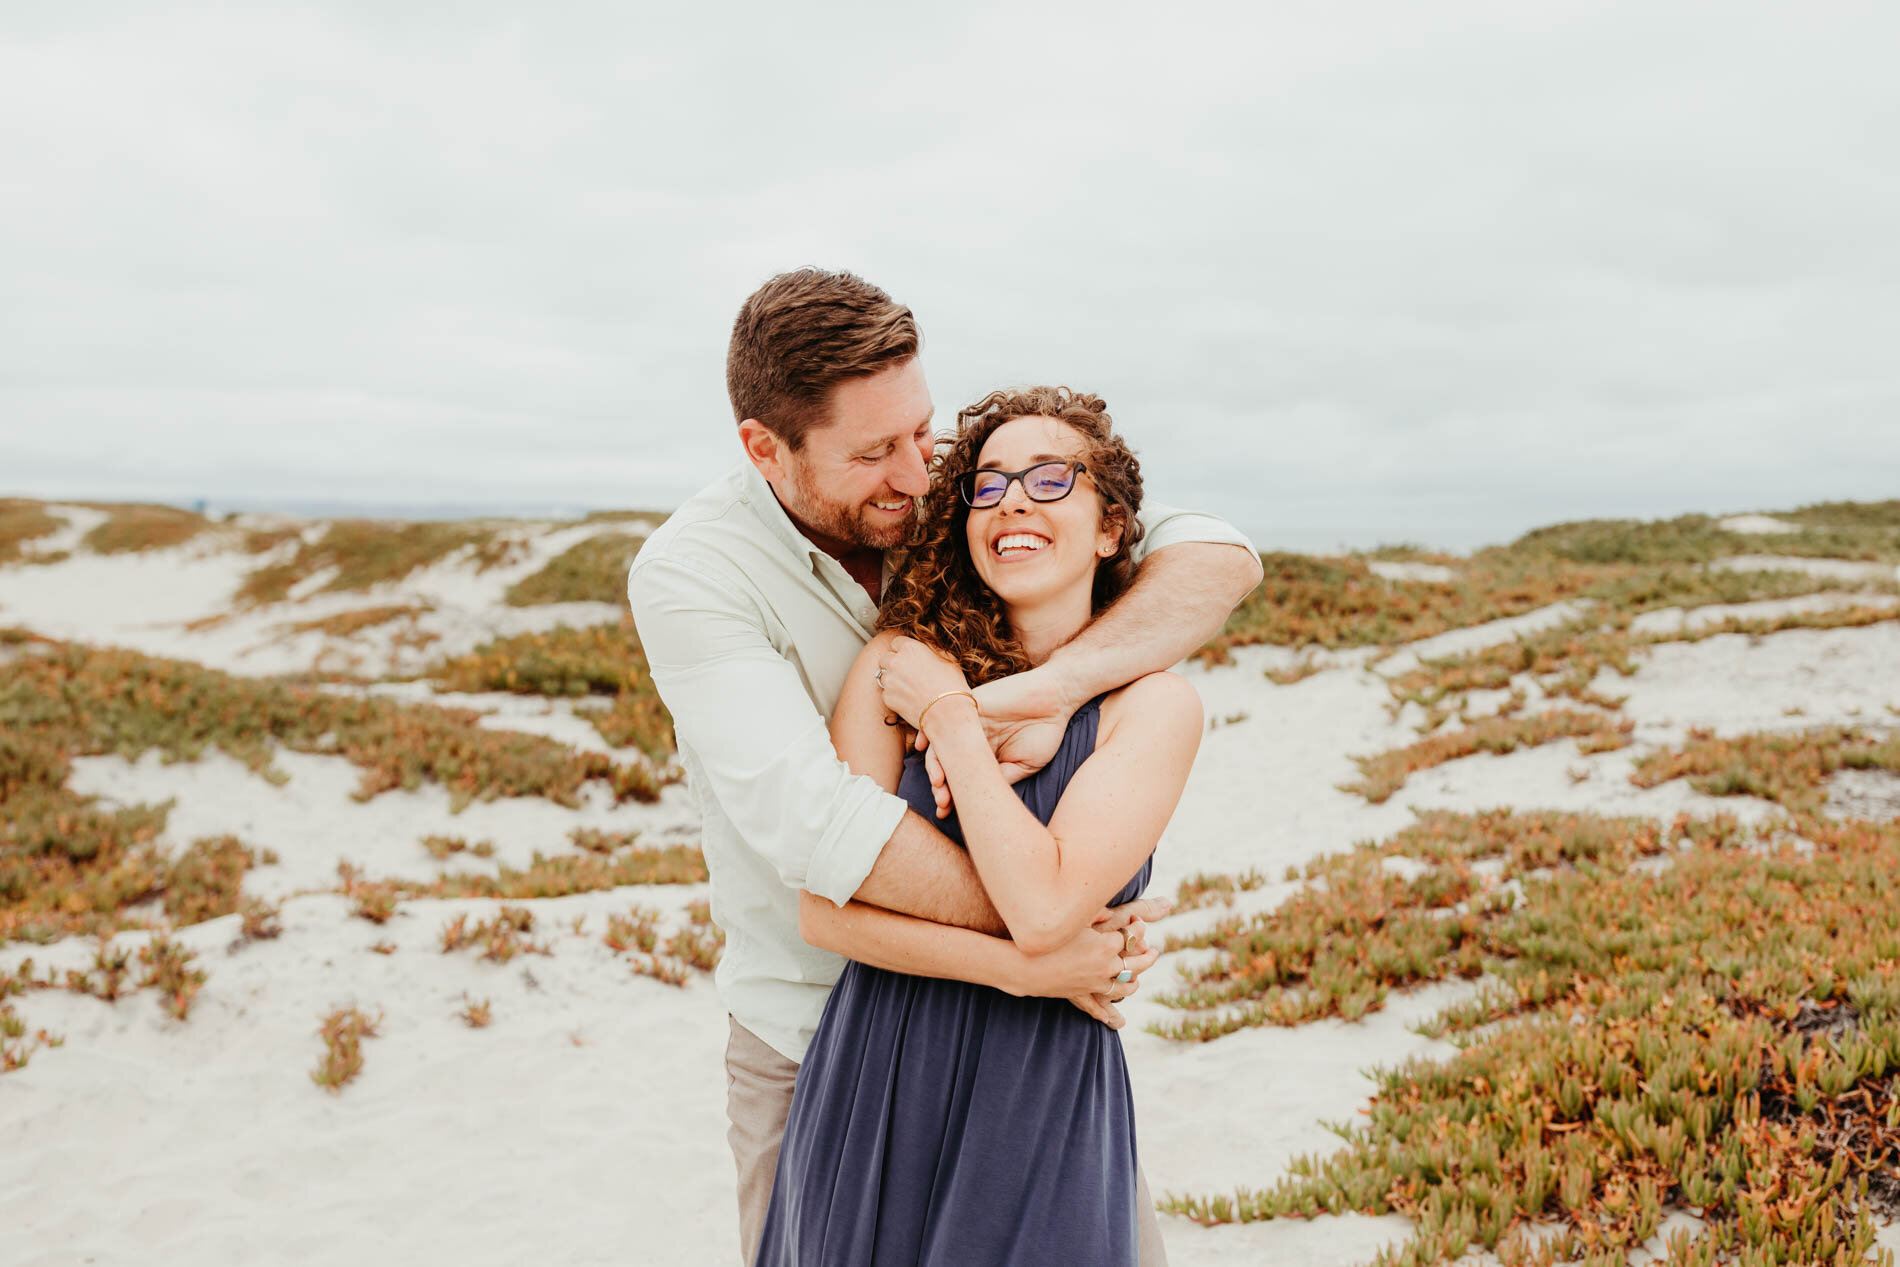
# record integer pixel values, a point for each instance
(600, 661)
(673, 959)
(260, 920)
(1205, 888)
(1693, 1016)
(168, 968)
(591, 571)
(70, 864)
(358, 554)
(129, 528)
(95, 701)
(500, 937)
(475, 1013)
(349, 623)
(560, 875)
(1384, 773)
(22, 521)
(206, 879)
(343, 1031)
(1625, 566)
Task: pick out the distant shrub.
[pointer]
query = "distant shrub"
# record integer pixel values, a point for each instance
(131, 528)
(1685, 539)
(1386, 772)
(1691, 1016)
(1339, 602)
(592, 571)
(169, 970)
(500, 938)
(344, 624)
(595, 660)
(207, 879)
(367, 552)
(343, 1032)
(67, 865)
(1846, 514)
(1627, 566)
(22, 521)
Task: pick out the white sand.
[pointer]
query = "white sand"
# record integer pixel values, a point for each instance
(586, 1125)
(1831, 569)
(146, 600)
(1396, 570)
(1759, 525)
(1673, 619)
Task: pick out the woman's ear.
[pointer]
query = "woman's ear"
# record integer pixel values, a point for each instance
(1108, 542)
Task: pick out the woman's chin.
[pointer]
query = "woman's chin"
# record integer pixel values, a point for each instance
(1017, 590)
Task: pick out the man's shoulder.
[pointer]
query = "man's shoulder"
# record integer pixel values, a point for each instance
(703, 532)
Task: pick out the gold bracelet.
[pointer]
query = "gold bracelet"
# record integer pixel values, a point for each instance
(946, 695)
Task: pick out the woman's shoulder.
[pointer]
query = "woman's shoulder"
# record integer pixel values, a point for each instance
(1164, 699)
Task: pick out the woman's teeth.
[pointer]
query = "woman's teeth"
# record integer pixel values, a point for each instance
(1017, 542)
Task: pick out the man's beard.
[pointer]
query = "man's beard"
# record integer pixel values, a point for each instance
(853, 524)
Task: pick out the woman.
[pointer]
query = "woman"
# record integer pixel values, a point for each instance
(939, 1121)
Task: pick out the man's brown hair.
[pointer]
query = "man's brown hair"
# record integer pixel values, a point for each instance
(800, 335)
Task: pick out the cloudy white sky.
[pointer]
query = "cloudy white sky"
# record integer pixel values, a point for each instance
(1347, 273)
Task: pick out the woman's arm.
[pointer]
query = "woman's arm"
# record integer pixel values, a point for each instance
(1080, 969)
(902, 943)
(1048, 882)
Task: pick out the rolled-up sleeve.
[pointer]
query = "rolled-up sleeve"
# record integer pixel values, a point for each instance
(1164, 526)
(764, 748)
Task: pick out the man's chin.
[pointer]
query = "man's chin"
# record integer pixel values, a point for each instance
(880, 531)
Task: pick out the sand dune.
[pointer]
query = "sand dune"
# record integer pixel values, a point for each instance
(586, 1124)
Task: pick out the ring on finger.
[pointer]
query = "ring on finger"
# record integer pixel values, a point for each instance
(1126, 975)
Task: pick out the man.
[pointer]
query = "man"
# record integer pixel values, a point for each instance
(753, 600)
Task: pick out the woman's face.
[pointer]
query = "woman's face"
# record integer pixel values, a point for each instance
(1027, 550)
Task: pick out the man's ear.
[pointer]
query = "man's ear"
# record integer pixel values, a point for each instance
(763, 448)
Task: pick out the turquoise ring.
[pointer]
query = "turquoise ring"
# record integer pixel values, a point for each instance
(1125, 976)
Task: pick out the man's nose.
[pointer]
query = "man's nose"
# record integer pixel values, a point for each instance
(912, 477)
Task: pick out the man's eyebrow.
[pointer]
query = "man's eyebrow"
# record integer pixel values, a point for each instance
(887, 442)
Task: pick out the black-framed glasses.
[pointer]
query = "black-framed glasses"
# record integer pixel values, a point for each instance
(1044, 482)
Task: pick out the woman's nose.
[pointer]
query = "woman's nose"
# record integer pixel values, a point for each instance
(1015, 497)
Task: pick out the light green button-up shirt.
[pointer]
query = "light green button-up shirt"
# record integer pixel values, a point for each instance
(749, 630)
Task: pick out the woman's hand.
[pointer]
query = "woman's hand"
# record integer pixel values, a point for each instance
(1084, 971)
(911, 675)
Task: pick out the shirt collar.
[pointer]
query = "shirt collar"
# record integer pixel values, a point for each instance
(758, 492)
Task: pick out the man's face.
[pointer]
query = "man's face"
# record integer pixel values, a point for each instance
(859, 474)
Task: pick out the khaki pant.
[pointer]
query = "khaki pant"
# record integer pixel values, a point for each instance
(759, 1099)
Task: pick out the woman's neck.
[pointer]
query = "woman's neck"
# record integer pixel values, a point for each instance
(1043, 626)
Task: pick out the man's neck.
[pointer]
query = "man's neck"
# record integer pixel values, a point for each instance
(864, 564)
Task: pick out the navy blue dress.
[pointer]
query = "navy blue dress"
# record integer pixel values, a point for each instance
(947, 1124)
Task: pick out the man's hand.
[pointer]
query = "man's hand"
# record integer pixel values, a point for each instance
(1024, 717)
(1084, 971)
(911, 675)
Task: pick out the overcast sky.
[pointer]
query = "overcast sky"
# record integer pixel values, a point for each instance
(1346, 273)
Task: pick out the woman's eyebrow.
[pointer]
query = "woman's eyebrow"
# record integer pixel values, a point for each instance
(1035, 459)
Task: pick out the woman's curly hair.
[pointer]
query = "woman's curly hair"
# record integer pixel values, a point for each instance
(936, 596)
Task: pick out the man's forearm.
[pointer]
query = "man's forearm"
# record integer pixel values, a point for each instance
(1181, 597)
(922, 872)
(885, 939)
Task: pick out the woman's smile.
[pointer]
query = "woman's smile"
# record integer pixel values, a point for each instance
(1018, 543)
